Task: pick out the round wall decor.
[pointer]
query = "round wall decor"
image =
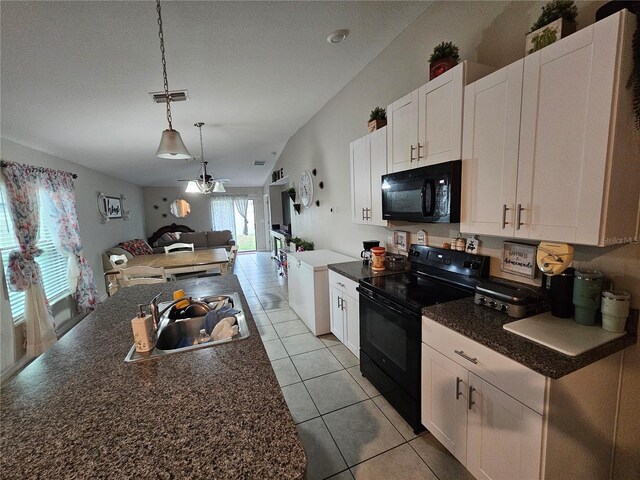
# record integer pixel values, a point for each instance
(305, 185)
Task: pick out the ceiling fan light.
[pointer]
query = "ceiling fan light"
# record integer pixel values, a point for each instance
(171, 146)
(192, 187)
(219, 188)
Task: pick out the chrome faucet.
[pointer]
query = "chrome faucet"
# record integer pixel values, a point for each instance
(155, 314)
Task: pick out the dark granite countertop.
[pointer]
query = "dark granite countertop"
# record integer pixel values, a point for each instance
(485, 326)
(355, 271)
(80, 411)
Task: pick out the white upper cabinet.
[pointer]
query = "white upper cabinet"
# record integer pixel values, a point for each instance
(425, 126)
(490, 151)
(577, 172)
(368, 164)
(402, 136)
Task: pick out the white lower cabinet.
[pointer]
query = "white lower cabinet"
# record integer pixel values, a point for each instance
(503, 421)
(444, 401)
(504, 436)
(493, 434)
(308, 293)
(345, 311)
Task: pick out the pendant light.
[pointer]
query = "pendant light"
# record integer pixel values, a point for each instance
(171, 144)
(205, 183)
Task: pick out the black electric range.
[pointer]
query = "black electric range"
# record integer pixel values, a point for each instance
(391, 319)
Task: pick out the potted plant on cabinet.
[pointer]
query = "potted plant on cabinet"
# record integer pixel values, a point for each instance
(377, 119)
(557, 20)
(444, 57)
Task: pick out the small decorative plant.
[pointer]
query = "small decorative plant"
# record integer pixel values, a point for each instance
(305, 246)
(444, 57)
(292, 193)
(444, 50)
(378, 113)
(377, 119)
(554, 10)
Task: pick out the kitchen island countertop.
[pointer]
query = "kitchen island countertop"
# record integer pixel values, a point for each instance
(80, 411)
(484, 325)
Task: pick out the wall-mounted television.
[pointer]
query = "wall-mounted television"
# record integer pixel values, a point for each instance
(286, 212)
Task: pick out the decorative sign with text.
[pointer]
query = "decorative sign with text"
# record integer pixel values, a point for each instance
(519, 259)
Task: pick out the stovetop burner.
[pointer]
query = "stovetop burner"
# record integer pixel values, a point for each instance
(415, 291)
(437, 276)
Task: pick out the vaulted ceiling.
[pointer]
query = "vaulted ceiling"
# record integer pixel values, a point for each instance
(76, 78)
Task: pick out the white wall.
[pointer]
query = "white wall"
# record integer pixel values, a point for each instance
(200, 217)
(487, 32)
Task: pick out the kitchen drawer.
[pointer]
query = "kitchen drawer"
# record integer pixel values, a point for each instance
(343, 283)
(508, 375)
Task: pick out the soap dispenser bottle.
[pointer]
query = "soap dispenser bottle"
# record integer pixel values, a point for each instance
(144, 335)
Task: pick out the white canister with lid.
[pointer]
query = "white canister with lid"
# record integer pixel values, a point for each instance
(615, 310)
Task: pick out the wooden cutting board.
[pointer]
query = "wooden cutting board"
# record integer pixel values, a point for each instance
(561, 334)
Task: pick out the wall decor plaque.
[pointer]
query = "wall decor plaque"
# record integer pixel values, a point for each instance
(519, 259)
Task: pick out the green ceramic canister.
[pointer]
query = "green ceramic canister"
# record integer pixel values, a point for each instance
(587, 287)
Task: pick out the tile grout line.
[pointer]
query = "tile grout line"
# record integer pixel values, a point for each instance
(321, 415)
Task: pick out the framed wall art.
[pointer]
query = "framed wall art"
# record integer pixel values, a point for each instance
(401, 240)
(113, 207)
(519, 259)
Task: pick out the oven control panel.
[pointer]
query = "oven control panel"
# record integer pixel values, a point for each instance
(460, 263)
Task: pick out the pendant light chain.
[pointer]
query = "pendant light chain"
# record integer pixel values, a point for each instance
(199, 125)
(164, 65)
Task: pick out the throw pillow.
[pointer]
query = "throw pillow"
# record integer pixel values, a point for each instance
(136, 247)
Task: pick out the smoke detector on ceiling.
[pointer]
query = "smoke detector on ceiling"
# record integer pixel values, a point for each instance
(338, 35)
(174, 96)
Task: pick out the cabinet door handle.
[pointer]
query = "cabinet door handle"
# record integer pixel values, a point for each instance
(368, 214)
(504, 215)
(341, 284)
(471, 402)
(466, 357)
(411, 159)
(339, 306)
(420, 147)
(362, 213)
(458, 392)
(518, 216)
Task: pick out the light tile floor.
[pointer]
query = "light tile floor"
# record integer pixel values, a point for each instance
(349, 431)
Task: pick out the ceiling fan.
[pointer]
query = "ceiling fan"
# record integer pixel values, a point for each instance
(204, 183)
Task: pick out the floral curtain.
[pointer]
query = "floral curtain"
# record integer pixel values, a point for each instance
(7, 350)
(60, 197)
(23, 271)
(242, 204)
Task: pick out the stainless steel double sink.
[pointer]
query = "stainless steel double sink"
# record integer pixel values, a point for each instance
(171, 333)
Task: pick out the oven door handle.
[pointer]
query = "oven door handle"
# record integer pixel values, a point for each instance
(384, 304)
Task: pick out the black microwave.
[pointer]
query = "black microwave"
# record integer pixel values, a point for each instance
(428, 194)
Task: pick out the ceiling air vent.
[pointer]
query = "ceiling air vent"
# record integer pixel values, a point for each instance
(174, 96)
(259, 163)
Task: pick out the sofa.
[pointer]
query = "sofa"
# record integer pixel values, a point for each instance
(200, 240)
(166, 236)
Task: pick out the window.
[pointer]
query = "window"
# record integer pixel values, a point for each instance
(53, 264)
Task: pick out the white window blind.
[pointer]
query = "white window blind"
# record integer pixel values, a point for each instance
(53, 264)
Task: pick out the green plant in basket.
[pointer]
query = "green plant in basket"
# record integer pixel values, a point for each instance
(444, 50)
(554, 10)
(378, 113)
